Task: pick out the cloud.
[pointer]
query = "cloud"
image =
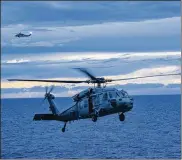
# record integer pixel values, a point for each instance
(61, 5)
(101, 64)
(35, 44)
(124, 65)
(94, 59)
(152, 28)
(132, 89)
(109, 64)
(152, 71)
(141, 72)
(14, 61)
(100, 36)
(85, 12)
(166, 28)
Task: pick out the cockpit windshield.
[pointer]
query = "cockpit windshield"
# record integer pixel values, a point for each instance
(123, 93)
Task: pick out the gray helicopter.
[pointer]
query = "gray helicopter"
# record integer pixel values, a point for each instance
(94, 102)
(19, 35)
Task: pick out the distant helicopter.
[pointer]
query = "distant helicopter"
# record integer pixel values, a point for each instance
(19, 35)
(94, 102)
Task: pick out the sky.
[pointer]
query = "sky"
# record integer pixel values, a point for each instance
(111, 39)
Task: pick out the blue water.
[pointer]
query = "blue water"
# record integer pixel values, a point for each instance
(151, 130)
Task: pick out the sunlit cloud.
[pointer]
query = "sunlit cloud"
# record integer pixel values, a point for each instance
(92, 56)
(17, 61)
(142, 72)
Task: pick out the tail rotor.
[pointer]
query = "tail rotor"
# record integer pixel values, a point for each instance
(46, 89)
(51, 89)
(47, 94)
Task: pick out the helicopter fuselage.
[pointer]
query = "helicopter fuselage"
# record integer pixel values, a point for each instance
(104, 101)
(22, 35)
(100, 102)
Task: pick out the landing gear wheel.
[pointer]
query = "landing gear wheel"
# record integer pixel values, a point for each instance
(121, 117)
(94, 118)
(63, 129)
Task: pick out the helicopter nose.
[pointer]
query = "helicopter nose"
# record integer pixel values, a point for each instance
(126, 105)
(113, 102)
(130, 104)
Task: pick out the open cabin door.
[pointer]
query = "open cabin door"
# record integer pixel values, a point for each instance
(90, 105)
(94, 102)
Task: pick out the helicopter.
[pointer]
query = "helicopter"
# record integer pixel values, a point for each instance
(19, 35)
(92, 103)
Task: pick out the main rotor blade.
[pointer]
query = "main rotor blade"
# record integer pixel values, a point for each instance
(42, 102)
(87, 73)
(46, 88)
(51, 89)
(44, 80)
(160, 75)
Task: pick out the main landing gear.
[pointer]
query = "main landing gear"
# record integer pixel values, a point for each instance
(95, 115)
(63, 129)
(121, 117)
(94, 118)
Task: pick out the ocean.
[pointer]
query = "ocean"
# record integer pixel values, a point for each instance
(150, 130)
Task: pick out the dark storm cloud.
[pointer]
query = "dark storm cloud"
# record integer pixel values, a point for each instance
(83, 12)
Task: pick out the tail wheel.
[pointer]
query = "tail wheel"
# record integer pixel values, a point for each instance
(94, 118)
(121, 117)
(63, 129)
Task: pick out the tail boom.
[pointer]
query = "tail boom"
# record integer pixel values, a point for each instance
(39, 117)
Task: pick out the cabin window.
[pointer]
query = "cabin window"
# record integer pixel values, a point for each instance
(112, 94)
(72, 113)
(85, 103)
(81, 105)
(97, 99)
(105, 97)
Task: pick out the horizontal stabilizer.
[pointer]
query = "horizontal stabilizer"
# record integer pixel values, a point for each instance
(39, 117)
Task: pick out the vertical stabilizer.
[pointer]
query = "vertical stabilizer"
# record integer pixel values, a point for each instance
(52, 105)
